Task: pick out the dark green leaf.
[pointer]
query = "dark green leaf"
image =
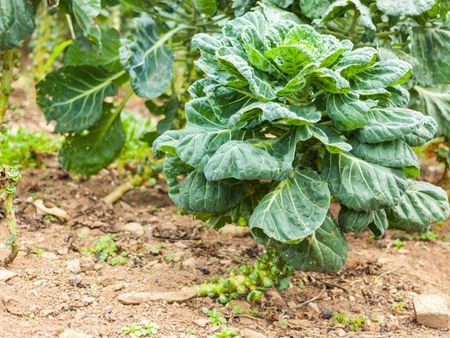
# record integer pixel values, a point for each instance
(16, 22)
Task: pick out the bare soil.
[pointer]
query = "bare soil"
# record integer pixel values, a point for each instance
(379, 280)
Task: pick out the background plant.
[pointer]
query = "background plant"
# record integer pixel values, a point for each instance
(287, 118)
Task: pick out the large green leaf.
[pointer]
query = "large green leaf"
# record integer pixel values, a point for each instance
(404, 7)
(147, 59)
(382, 74)
(88, 153)
(356, 61)
(421, 205)
(340, 7)
(106, 54)
(431, 47)
(73, 96)
(84, 13)
(243, 161)
(325, 250)
(358, 221)
(314, 9)
(327, 135)
(435, 102)
(199, 195)
(294, 209)
(347, 111)
(387, 124)
(393, 154)
(206, 7)
(360, 185)
(16, 22)
(290, 58)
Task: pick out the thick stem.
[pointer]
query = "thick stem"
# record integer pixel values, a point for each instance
(7, 75)
(132, 183)
(8, 206)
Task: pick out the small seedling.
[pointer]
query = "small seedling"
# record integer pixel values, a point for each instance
(38, 251)
(429, 236)
(106, 249)
(446, 239)
(153, 250)
(170, 257)
(398, 306)
(399, 244)
(353, 323)
(283, 322)
(215, 317)
(144, 329)
(50, 218)
(225, 332)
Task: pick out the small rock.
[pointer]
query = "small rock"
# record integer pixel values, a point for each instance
(314, 307)
(145, 297)
(202, 322)
(234, 231)
(431, 311)
(49, 255)
(75, 279)
(74, 266)
(340, 332)
(134, 228)
(88, 300)
(275, 298)
(291, 304)
(188, 264)
(248, 333)
(242, 304)
(326, 313)
(108, 309)
(6, 275)
(117, 286)
(69, 333)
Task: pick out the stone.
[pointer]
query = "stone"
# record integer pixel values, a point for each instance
(6, 275)
(231, 230)
(249, 333)
(340, 332)
(188, 264)
(242, 304)
(69, 333)
(431, 310)
(275, 298)
(132, 298)
(49, 255)
(134, 228)
(74, 280)
(314, 307)
(202, 322)
(74, 266)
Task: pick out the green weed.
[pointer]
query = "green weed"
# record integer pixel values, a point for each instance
(353, 323)
(143, 329)
(399, 244)
(106, 249)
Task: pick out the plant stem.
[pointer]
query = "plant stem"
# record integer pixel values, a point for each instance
(354, 22)
(7, 75)
(70, 24)
(134, 182)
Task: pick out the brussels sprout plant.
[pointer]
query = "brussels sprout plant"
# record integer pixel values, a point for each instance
(287, 120)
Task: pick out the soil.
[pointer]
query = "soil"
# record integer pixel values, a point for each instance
(379, 280)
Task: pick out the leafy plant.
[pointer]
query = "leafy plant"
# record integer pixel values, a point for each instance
(353, 323)
(106, 249)
(399, 244)
(287, 118)
(143, 329)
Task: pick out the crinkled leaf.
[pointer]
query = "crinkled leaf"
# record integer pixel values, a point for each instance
(323, 251)
(206, 7)
(382, 74)
(243, 161)
(360, 185)
(347, 111)
(290, 59)
(421, 205)
(88, 153)
(339, 7)
(356, 61)
(73, 96)
(405, 7)
(358, 221)
(294, 209)
(431, 47)
(199, 195)
(386, 124)
(331, 81)
(328, 136)
(435, 102)
(16, 22)
(147, 59)
(393, 154)
(84, 13)
(314, 9)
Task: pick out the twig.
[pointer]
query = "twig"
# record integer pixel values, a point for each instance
(385, 274)
(311, 300)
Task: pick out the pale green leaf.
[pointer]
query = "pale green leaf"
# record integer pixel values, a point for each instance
(405, 7)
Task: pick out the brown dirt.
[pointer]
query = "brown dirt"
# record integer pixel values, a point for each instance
(42, 299)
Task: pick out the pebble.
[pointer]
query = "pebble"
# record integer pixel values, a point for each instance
(134, 228)
(69, 333)
(275, 298)
(248, 333)
(145, 297)
(314, 307)
(49, 255)
(188, 264)
(431, 310)
(202, 322)
(75, 279)
(74, 266)
(243, 305)
(6, 275)
(88, 299)
(340, 332)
